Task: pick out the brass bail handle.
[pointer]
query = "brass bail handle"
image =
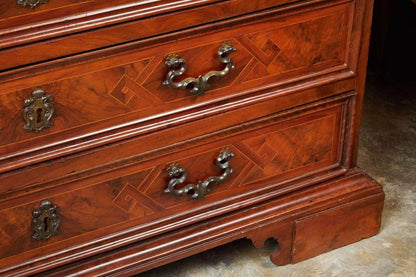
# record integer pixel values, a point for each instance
(199, 85)
(177, 176)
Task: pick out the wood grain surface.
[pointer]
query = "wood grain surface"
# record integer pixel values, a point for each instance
(271, 151)
(290, 111)
(126, 87)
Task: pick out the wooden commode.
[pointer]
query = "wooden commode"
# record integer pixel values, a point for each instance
(136, 133)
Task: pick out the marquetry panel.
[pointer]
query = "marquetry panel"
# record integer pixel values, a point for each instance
(281, 150)
(127, 86)
(268, 152)
(271, 153)
(295, 48)
(83, 210)
(48, 24)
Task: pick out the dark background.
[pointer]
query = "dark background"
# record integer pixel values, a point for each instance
(393, 47)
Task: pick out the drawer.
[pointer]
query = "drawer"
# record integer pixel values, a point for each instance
(84, 25)
(272, 155)
(97, 97)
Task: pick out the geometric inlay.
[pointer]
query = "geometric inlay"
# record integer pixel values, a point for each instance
(300, 46)
(264, 49)
(274, 152)
(130, 201)
(284, 150)
(270, 49)
(125, 90)
(128, 90)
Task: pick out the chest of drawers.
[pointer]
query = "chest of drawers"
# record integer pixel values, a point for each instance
(136, 133)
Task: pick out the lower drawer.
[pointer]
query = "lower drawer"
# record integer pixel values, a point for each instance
(272, 155)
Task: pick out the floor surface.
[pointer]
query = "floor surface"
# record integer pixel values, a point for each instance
(387, 153)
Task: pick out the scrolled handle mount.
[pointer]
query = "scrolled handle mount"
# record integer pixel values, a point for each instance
(30, 3)
(177, 176)
(177, 66)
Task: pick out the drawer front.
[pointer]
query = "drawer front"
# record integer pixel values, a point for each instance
(273, 155)
(45, 29)
(124, 88)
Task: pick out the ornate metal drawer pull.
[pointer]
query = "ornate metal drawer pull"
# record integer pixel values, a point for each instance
(197, 86)
(178, 175)
(38, 111)
(30, 3)
(46, 220)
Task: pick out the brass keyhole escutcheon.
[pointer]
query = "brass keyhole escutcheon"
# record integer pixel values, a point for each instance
(46, 221)
(38, 111)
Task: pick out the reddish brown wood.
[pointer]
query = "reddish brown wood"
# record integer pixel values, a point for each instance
(163, 142)
(105, 93)
(282, 231)
(364, 16)
(271, 219)
(273, 150)
(290, 112)
(336, 227)
(151, 19)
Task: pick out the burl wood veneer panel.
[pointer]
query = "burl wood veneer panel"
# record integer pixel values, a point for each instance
(354, 194)
(289, 110)
(268, 155)
(165, 137)
(87, 25)
(126, 87)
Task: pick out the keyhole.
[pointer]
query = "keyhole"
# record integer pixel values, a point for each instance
(46, 224)
(39, 115)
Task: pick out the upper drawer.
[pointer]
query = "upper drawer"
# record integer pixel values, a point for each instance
(34, 35)
(114, 94)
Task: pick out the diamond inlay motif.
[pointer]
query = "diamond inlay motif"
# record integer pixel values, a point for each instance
(270, 49)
